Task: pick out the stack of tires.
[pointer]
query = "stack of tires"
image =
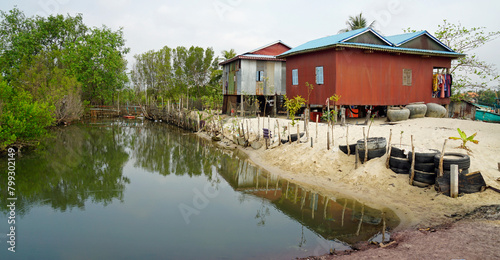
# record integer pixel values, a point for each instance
(398, 162)
(467, 183)
(424, 169)
(376, 147)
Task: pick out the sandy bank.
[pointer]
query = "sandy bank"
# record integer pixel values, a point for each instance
(332, 172)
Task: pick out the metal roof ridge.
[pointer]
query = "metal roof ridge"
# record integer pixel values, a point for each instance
(267, 45)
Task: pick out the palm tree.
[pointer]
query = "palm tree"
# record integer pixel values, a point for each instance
(356, 22)
(229, 54)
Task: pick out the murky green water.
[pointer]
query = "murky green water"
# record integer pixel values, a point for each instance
(141, 190)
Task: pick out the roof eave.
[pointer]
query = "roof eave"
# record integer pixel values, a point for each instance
(415, 52)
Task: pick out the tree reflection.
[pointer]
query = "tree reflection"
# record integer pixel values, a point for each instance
(77, 164)
(166, 150)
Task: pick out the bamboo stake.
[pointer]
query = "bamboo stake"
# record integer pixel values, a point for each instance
(441, 159)
(412, 167)
(389, 151)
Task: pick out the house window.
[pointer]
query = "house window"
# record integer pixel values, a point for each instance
(295, 77)
(260, 75)
(406, 77)
(319, 75)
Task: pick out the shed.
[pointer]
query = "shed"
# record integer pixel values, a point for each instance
(255, 75)
(368, 69)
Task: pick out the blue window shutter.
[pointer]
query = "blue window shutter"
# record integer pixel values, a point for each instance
(319, 75)
(295, 77)
(257, 76)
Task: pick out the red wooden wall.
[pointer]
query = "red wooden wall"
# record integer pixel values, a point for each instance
(365, 78)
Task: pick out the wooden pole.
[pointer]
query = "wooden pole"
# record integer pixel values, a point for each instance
(366, 146)
(389, 150)
(317, 118)
(279, 132)
(454, 180)
(289, 134)
(248, 132)
(342, 120)
(441, 159)
(327, 140)
(356, 154)
(412, 167)
(258, 127)
(347, 141)
(333, 139)
(298, 133)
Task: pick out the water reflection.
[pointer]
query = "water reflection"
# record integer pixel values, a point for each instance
(332, 218)
(99, 162)
(77, 165)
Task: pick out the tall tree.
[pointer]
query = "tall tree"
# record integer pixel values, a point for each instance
(356, 22)
(95, 56)
(469, 71)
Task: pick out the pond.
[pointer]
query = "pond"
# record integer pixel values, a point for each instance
(133, 189)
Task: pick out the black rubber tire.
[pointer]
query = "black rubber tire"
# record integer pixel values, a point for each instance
(352, 147)
(397, 152)
(400, 171)
(446, 174)
(371, 154)
(425, 167)
(373, 143)
(400, 163)
(425, 177)
(442, 185)
(420, 184)
(470, 184)
(423, 157)
(462, 160)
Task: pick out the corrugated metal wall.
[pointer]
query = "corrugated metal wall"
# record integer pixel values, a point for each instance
(365, 78)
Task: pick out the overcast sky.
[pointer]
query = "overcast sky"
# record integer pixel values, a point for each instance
(245, 25)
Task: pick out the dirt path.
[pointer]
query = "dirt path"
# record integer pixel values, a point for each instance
(476, 236)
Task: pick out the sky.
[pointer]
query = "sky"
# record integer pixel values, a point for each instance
(245, 25)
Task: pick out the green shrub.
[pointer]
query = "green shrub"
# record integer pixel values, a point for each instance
(21, 119)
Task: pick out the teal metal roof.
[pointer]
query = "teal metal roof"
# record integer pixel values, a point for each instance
(405, 37)
(393, 43)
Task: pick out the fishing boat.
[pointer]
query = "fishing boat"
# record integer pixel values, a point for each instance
(487, 116)
(129, 117)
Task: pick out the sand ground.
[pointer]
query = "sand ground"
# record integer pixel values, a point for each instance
(332, 172)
